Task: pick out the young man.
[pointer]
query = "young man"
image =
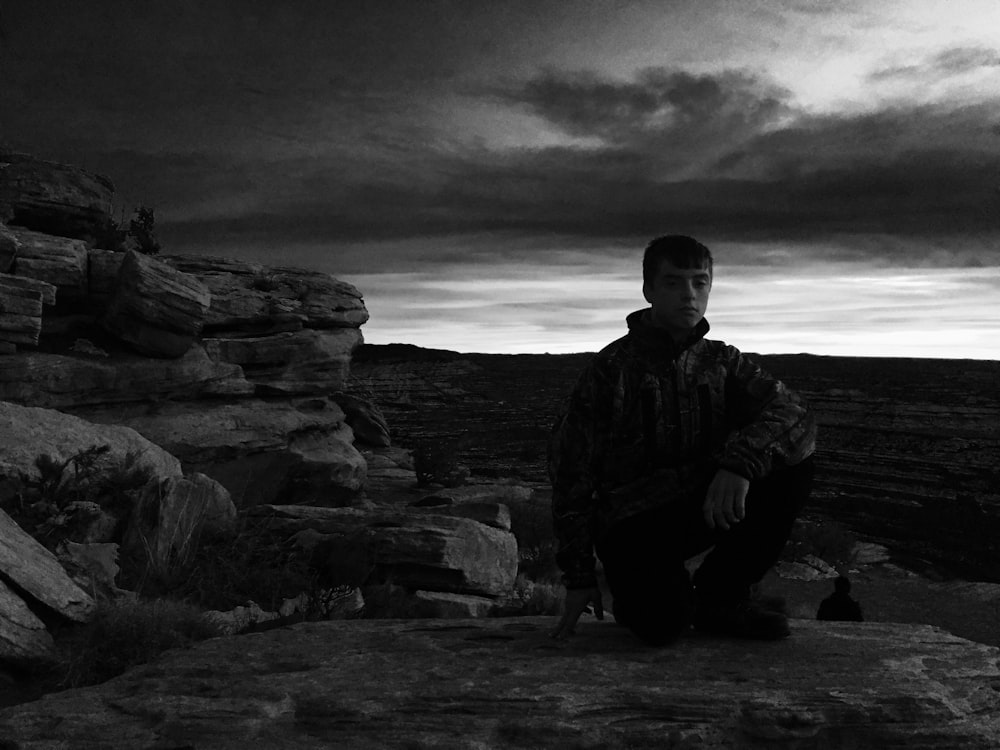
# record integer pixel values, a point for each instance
(671, 444)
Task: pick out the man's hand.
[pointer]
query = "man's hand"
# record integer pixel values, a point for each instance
(576, 603)
(725, 503)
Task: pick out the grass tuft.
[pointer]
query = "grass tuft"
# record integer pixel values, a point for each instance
(124, 634)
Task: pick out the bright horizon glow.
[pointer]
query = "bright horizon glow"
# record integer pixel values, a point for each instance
(823, 309)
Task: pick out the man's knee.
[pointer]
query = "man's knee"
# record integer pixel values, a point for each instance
(784, 491)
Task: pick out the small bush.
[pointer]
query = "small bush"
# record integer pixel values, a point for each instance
(128, 633)
(248, 564)
(37, 503)
(436, 462)
(537, 598)
(830, 541)
(142, 230)
(112, 235)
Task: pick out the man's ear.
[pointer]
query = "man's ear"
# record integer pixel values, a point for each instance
(647, 292)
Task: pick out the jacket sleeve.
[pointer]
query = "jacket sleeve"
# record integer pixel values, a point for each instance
(772, 422)
(572, 454)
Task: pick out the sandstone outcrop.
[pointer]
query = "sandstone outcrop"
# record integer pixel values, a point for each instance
(26, 433)
(35, 571)
(57, 199)
(21, 303)
(170, 518)
(156, 309)
(233, 333)
(292, 363)
(59, 261)
(87, 385)
(410, 548)
(299, 450)
(505, 683)
(254, 299)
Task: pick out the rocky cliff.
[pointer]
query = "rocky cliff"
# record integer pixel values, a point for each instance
(148, 404)
(228, 365)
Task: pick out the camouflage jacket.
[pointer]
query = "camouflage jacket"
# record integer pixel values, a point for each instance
(650, 422)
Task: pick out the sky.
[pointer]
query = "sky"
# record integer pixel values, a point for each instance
(488, 173)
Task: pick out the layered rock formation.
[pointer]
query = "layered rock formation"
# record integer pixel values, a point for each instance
(141, 396)
(152, 343)
(505, 683)
(180, 384)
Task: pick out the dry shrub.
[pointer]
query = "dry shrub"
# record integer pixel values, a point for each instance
(126, 633)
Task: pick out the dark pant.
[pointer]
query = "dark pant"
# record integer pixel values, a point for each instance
(644, 556)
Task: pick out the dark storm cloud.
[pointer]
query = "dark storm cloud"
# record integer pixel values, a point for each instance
(719, 155)
(312, 121)
(673, 117)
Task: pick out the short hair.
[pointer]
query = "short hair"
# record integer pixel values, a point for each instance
(679, 249)
(842, 585)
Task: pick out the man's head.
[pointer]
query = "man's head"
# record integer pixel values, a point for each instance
(682, 251)
(677, 279)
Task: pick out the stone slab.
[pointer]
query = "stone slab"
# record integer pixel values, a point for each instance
(503, 683)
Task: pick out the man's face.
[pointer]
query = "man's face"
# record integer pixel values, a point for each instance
(679, 297)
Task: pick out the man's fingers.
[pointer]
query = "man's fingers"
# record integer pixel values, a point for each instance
(708, 511)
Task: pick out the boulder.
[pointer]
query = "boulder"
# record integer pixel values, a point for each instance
(419, 551)
(171, 517)
(94, 568)
(20, 313)
(102, 275)
(260, 451)
(510, 494)
(9, 245)
(37, 573)
(366, 419)
(300, 362)
(500, 682)
(491, 514)
(24, 641)
(53, 198)
(26, 433)
(92, 387)
(45, 290)
(58, 261)
(247, 297)
(156, 309)
(387, 600)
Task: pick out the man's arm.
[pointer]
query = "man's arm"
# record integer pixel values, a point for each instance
(772, 421)
(571, 470)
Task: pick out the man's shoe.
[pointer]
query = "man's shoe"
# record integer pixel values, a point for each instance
(740, 619)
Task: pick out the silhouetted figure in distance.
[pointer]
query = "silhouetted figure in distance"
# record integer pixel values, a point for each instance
(839, 605)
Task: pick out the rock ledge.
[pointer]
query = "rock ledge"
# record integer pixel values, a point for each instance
(504, 683)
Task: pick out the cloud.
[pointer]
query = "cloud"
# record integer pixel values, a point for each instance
(949, 62)
(672, 117)
(725, 157)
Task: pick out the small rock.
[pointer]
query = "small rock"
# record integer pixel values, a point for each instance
(87, 347)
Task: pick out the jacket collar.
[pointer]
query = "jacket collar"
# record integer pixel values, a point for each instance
(641, 328)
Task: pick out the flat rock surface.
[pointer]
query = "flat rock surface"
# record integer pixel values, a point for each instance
(504, 683)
